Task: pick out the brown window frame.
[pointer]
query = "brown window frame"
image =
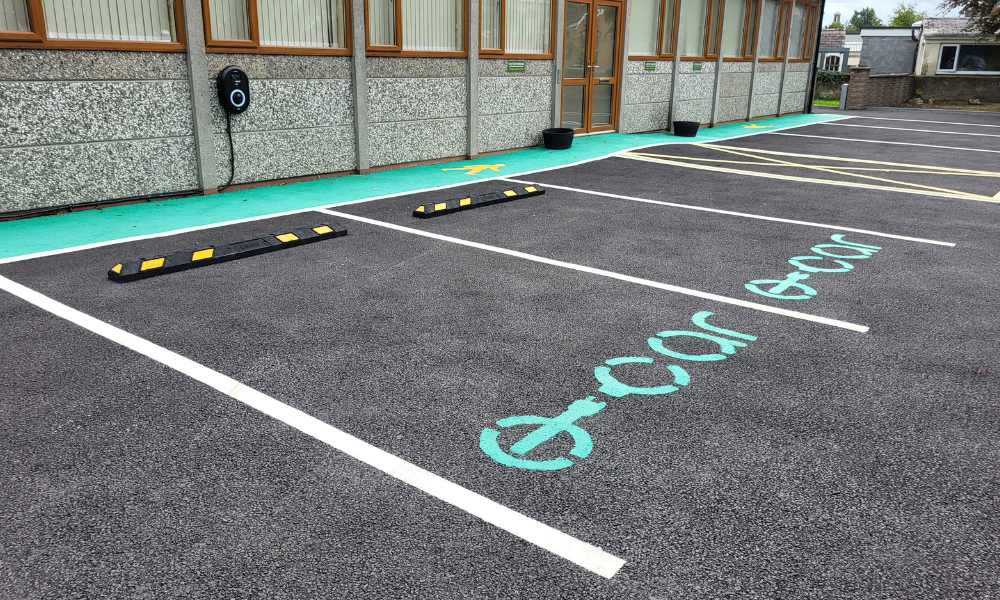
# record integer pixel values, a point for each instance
(253, 45)
(397, 49)
(809, 33)
(502, 51)
(661, 55)
(749, 42)
(705, 56)
(781, 31)
(38, 38)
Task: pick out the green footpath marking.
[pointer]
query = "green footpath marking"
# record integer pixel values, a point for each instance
(515, 66)
(52, 233)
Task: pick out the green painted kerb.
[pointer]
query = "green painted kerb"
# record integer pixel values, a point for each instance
(41, 234)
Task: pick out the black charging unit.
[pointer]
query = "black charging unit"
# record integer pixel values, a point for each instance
(234, 96)
(234, 90)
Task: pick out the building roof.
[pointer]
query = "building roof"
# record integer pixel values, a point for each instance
(946, 26)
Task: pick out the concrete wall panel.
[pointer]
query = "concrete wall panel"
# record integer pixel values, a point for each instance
(412, 141)
(43, 176)
(503, 132)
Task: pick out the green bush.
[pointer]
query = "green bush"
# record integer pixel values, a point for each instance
(828, 77)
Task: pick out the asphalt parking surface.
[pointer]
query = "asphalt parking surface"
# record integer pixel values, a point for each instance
(813, 462)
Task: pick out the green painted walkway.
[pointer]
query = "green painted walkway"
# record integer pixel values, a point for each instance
(42, 234)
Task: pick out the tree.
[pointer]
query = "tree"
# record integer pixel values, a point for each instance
(835, 25)
(866, 17)
(905, 15)
(986, 15)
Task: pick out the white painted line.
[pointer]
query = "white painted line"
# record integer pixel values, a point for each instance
(823, 137)
(136, 238)
(907, 129)
(806, 179)
(923, 121)
(581, 553)
(735, 214)
(611, 274)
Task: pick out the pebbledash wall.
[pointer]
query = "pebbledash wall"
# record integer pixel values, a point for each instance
(84, 126)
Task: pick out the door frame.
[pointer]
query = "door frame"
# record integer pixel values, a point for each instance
(590, 81)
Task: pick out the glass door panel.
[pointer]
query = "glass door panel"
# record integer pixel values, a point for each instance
(591, 55)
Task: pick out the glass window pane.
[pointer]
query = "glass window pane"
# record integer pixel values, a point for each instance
(382, 22)
(601, 113)
(947, 62)
(979, 58)
(577, 27)
(645, 27)
(14, 15)
(796, 35)
(713, 28)
(491, 25)
(433, 25)
(135, 21)
(572, 106)
(605, 45)
(310, 23)
(529, 26)
(735, 24)
(768, 27)
(669, 8)
(694, 14)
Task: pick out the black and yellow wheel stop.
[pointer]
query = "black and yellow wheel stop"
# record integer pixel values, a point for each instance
(190, 259)
(437, 209)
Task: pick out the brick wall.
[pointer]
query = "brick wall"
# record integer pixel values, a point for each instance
(867, 90)
(832, 37)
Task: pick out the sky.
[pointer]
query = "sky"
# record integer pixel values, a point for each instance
(883, 8)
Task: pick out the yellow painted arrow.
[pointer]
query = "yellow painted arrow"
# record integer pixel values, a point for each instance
(476, 169)
(756, 126)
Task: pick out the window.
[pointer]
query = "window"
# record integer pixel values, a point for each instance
(734, 28)
(694, 17)
(947, 60)
(416, 27)
(517, 27)
(770, 12)
(653, 29)
(784, 27)
(832, 62)
(276, 26)
(970, 59)
(107, 24)
(801, 32)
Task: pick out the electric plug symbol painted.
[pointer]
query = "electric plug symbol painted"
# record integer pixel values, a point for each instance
(550, 428)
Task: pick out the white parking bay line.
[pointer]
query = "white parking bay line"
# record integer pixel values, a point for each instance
(923, 121)
(581, 553)
(906, 129)
(824, 137)
(611, 274)
(735, 214)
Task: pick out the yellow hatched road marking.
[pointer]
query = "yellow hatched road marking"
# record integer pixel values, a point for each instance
(203, 254)
(842, 159)
(949, 194)
(156, 263)
(831, 170)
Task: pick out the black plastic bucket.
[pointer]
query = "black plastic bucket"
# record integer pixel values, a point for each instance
(558, 138)
(686, 128)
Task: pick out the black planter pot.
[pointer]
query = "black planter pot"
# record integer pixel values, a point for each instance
(558, 138)
(686, 128)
